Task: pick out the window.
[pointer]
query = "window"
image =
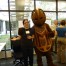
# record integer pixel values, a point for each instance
(50, 16)
(62, 15)
(61, 5)
(4, 33)
(3, 4)
(21, 5)
(46, 5)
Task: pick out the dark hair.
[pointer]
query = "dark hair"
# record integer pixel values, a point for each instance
(62, 22)
(25, 20)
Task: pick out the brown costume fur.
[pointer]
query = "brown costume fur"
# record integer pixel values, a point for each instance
(38, 18)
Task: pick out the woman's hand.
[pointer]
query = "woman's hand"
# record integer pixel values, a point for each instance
(30, 37)
(13, 39)
(16, 38)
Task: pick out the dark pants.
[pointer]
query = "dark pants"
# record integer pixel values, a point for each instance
(28, 56)
(48, 57)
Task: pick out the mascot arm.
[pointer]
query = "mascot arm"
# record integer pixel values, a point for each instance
(50, 32)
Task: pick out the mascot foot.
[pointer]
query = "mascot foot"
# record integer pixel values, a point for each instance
(52, 65)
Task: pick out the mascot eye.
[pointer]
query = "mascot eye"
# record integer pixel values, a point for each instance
(41, 17)
(36, 19)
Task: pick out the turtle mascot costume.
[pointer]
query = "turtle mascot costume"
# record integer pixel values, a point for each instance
(42, 37)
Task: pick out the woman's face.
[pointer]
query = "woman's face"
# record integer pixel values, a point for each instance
(26, 24)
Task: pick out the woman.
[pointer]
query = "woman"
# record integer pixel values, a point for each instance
(26, 35)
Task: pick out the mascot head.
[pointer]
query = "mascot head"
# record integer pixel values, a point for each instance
(38, 17)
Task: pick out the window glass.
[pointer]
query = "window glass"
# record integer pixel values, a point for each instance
(50, 16)
(46, 5)
(61, 15)
(3, 4)
(21, 4)
(4, 29)
(61, 5)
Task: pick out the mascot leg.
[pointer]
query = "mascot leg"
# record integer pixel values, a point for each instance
(49, 59)
(39, 57)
